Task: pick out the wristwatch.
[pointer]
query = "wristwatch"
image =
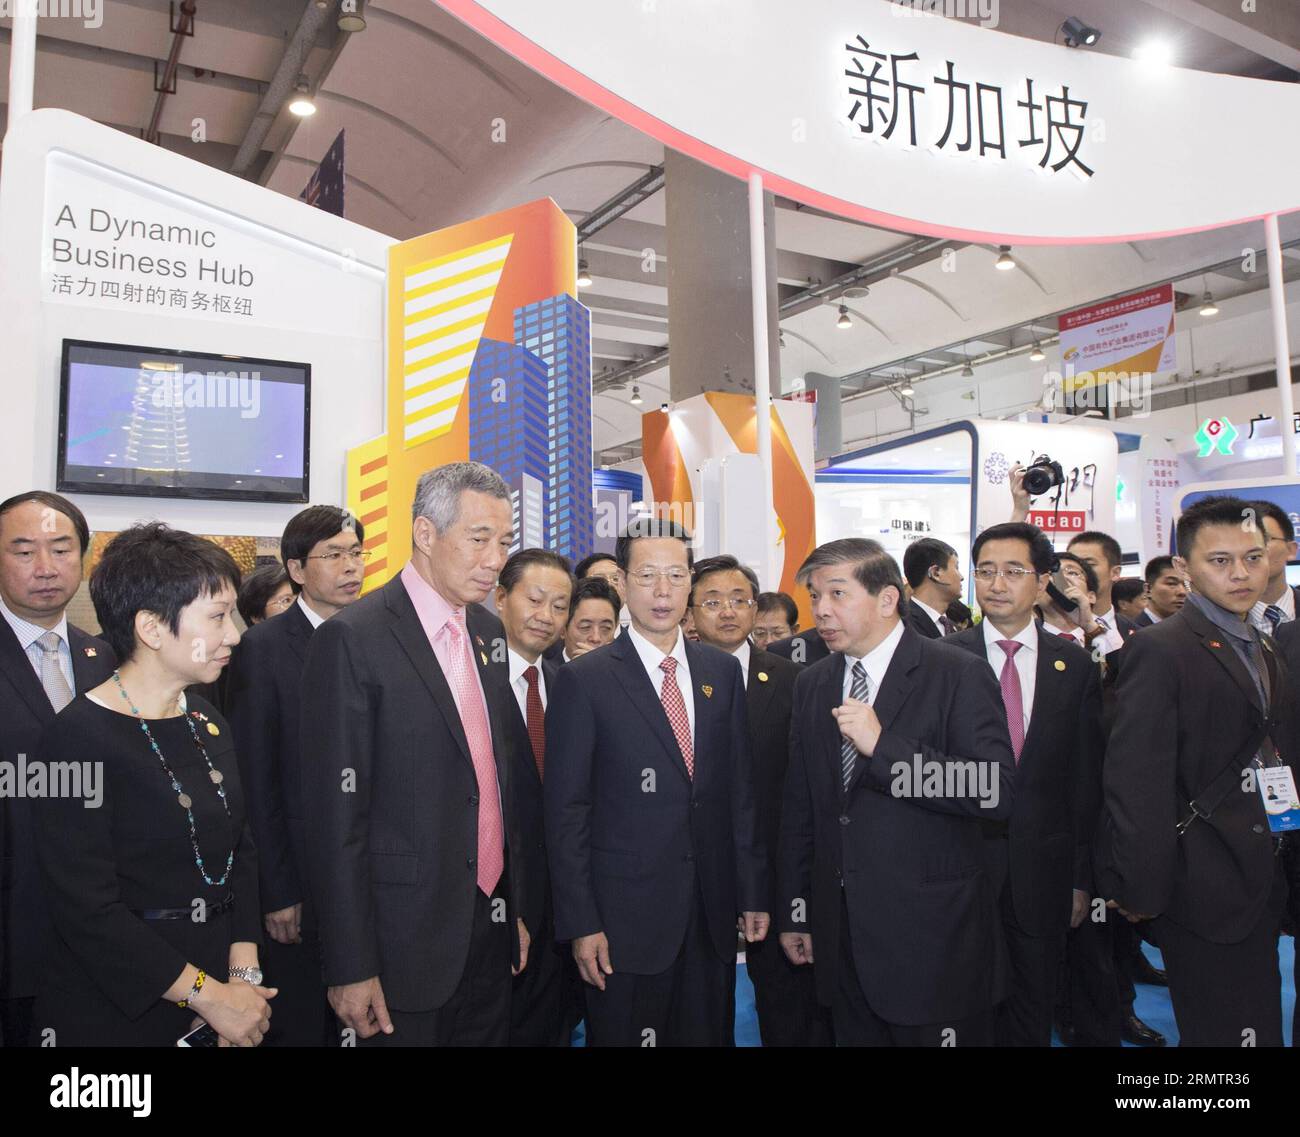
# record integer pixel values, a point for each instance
(251, 975)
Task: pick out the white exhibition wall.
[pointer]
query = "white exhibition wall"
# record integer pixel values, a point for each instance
(262, 275)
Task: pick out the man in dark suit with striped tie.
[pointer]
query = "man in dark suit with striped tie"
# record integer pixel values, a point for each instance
(650, 820)
(44, 662)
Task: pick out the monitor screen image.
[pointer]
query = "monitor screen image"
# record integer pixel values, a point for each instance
(158, 422)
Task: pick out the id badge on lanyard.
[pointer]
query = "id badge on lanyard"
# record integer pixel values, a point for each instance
(1278, 793)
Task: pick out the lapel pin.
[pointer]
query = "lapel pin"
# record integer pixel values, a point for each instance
(478, 640)
(708, 691)
(762, 676)
(213, 729)
(91, 653)
(483, 656)
(1060, 665)
(1215, 643)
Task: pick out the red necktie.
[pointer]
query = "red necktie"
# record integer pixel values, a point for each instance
(1012, 697)
(1068, 636)
(536, 719)
(671, 697)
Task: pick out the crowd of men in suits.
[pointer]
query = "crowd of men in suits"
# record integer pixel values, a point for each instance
(479, 828)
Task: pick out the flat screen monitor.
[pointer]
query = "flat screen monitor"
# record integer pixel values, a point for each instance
(157, 422)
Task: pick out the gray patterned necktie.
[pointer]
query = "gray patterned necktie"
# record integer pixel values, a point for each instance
(860, 690)
(1273, 614)
(52, 677)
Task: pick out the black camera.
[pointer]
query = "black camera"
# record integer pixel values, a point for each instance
(1042, 474)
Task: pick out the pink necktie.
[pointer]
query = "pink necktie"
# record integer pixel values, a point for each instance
(671, 697)
(1012, 699)
(473, 718)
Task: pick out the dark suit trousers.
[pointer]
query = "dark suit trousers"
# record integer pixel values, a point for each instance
(16, 1021)
(478, 1012)
(692, 1003)
(856, 1024)
(1088, 992)
(785, 997)
(300, 1013)
(1024, 1018)
(541, 996)
(1128, 947)
(1221, 991)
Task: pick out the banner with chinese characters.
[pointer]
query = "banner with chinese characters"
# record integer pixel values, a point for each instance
(1116, 339)
(896, 116)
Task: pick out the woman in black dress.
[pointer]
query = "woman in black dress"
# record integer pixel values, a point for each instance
(149, 870)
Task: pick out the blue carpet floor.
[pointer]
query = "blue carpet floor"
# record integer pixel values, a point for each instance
(1152, 1005)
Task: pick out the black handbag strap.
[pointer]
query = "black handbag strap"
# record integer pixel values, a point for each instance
(1229, 778)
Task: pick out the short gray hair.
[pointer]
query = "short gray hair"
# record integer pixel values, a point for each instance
(437, 494)
(874, 568)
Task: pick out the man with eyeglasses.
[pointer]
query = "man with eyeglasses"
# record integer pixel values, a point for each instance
(323, 552)
(724, 599)
(1040, 858)
(650, 820)
(1278, 603)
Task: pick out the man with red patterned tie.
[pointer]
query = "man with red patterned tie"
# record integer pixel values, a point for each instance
(1039, 858)
(651, 829)
(532, 599)
(416, 866)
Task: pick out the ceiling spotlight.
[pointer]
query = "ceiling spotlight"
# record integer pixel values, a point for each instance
(663, 408)
(1208, 306)
(1005, 262)
(351, 18)
(968, 372)
(1078, 34)
(584, 275)
(302, 104)
(907, 390)
(844, 321)
(1038, 354)
(635, 400)
(1155, 52)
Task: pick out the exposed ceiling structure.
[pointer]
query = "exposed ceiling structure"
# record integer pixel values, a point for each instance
(442, 126)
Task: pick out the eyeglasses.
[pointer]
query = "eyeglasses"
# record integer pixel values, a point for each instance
(1013, 575)
(282, 602)
(359, 555)
(676, 577)
(713, 604)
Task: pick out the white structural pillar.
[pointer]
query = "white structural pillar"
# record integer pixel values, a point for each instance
(770, 577)
(22, 61)
(1282, 349)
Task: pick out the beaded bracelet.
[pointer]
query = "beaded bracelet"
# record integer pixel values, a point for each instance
(198, 986)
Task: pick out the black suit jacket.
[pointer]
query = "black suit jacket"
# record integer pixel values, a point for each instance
(920, 623)
(769, 700)
(628, 832)
(923, 914)
(1186, 706)
(1144, 620)
(392, 799)
(1058, 783)
(528, 795)
(24, 712)
(804, 648)
(263, 696)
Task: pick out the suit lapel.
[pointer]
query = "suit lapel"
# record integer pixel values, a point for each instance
(758, 693)
(22, 675)
(702, 675)
(1217, 644)
(298, 631)
(828, 696)
(484, 639)
(88, 670)
(632, 675)
(409, 632)
(1046, 678)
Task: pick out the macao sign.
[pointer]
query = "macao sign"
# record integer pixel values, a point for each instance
(878, 94)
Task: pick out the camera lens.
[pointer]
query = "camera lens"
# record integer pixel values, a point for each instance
(1038, 481)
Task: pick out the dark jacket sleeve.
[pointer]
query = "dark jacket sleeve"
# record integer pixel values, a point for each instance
(1140, 779)
(976, 732)
(795, 848)
(567, 794)
(753, 883)
(78, 862)
(255, 718)
(338, 757)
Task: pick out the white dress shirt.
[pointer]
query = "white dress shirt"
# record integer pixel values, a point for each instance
(311, 614)
(742, 657)
(651, 657)
(1155, 616)
(1111, 639)
(1026, 659)
(1286, 602)
(29, 633)
(934, 616)
(519, 684)
(875, 663)
(1073, 632)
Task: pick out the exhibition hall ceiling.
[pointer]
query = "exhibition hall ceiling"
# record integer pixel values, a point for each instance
(442, 126)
